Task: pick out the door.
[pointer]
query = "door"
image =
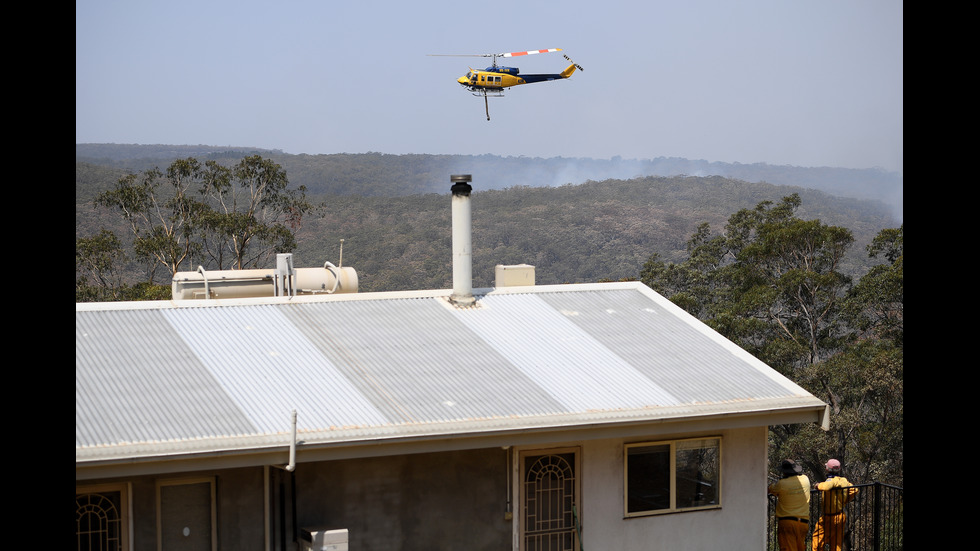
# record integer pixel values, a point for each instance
(550, 500)
(186, 515)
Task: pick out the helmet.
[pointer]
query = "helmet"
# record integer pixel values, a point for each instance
(833, 465)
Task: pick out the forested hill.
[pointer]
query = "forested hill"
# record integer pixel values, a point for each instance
(400, 239)
(572, 234)
(384, 175)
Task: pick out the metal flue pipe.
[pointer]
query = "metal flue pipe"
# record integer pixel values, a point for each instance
(462, 240)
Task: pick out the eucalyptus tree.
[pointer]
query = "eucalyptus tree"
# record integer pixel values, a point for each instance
(789, 277)
(772, 283)
(160, 212)
(251, 213)
(865, 382)
(97, 267)
(876, 305)
(225, 217)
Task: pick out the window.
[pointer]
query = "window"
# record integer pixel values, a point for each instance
(665, 477)
(101, 519)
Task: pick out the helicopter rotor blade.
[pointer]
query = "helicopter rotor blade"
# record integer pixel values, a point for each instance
(529, 52)
(507, 54)
(495, 56)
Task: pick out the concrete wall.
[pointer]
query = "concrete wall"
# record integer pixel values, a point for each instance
(430, 501)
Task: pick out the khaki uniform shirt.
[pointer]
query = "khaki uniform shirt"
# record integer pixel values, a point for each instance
(792, 496)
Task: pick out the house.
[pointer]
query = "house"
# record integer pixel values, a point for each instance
(595, 416)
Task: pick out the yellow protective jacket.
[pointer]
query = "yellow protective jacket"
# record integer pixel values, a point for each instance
(837, 492)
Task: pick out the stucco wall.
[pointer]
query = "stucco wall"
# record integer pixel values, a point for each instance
(739, 524)
(458, 500)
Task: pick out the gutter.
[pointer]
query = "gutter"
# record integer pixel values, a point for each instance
(367, 442)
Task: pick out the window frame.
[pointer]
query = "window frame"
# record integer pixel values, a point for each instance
(124, 490)
(672, 445)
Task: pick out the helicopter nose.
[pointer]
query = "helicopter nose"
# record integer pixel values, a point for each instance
(463, 80)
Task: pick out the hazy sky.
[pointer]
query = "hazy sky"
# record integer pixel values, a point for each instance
(798, 82)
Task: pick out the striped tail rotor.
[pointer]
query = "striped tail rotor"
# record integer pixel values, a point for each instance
(577, 66)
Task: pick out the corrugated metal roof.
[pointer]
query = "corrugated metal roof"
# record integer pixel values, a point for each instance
(194, 376)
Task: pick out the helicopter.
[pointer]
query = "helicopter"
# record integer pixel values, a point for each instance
(493, 80)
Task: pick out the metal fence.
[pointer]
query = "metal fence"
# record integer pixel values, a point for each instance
(871, 520)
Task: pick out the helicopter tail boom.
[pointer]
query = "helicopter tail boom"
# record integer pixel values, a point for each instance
(528, 79)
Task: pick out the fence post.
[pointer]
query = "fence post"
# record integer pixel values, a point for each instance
(876, 515)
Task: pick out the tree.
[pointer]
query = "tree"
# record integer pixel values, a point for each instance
(876, 304)
(98, 258)
(791, 269)
(251, 213)
(867, 377)
(772, 283)
(162, 220)
(233, 217)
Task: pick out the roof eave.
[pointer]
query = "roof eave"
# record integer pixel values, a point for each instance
(251, 451)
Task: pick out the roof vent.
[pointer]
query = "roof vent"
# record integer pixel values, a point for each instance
(517, 275)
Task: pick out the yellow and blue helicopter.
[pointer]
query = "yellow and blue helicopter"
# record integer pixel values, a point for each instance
(493, 80)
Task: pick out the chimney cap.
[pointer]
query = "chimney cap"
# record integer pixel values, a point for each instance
(461, 184)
